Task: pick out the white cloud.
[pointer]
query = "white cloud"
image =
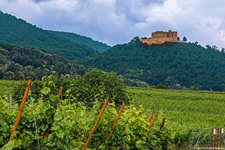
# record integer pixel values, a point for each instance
(118, 21)
(24, 9)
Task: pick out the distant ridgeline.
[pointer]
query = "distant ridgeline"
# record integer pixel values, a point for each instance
(25, 35)
(160, 37)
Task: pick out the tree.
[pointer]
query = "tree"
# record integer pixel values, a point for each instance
(184, 39)
(9, 75)
(1, 74)
(161, 86)
(106, 85)
(135, 40)
(97, 86)
(214, 47)
(208, 46)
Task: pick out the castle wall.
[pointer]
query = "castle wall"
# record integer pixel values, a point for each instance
(160, 37)
(151, 41)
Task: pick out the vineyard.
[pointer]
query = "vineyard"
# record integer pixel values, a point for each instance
(195, 109)
(59, 120)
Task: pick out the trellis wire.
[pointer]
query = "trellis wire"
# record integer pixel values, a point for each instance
(35, 123)
(10, 102)
(197, 140)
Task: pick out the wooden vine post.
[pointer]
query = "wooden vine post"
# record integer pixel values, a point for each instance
(150, 118)
(162, 124)
(117, 118)
(21, 109)
(217, 138)
(151, 121)
(55, 106)
(95, 125)
(59, 95)
(221, 138)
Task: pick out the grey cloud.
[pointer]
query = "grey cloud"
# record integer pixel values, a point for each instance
(38, 1)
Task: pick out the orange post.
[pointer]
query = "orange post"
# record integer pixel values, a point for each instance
(150, 118)
(59, 94)
(95, 125)
(117, 118)
(55, 106)
(21, 109)
(151, 123)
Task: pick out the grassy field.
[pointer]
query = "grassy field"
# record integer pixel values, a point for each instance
(199, 109)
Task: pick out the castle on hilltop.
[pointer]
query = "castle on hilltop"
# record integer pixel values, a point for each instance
(160, 37)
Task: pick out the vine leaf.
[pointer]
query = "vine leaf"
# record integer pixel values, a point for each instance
(54, 98)
(45, 90)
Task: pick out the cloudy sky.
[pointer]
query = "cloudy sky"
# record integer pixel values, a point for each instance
(118, 21)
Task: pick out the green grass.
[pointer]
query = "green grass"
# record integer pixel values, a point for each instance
(203, 109)
(7, 86)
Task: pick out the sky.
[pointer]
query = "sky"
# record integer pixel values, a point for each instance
(118, 21)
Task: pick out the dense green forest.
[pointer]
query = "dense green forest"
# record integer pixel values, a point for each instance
(177, 65)
(24, 63)
(101, 47)
(19, 32)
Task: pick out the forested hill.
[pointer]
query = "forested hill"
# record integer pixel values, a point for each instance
(18, 32)
(177, 65)
(99, 46)
(24, 63)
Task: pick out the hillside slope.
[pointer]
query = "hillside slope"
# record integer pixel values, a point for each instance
(98, 46)
(178, 65)
(18, 32)
(24, 63)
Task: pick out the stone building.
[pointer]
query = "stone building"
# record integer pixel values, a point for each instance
(160, 37)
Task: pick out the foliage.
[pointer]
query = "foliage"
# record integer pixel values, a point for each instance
(161, 86)
(7, 86)
(18, 32)
(134, 82)
(97, 86)
(184, 39)
(21, 63)
(93, 86)
(98, 46)
(73, 122)
(184, 64)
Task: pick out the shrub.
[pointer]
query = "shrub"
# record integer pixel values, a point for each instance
(161, 86)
